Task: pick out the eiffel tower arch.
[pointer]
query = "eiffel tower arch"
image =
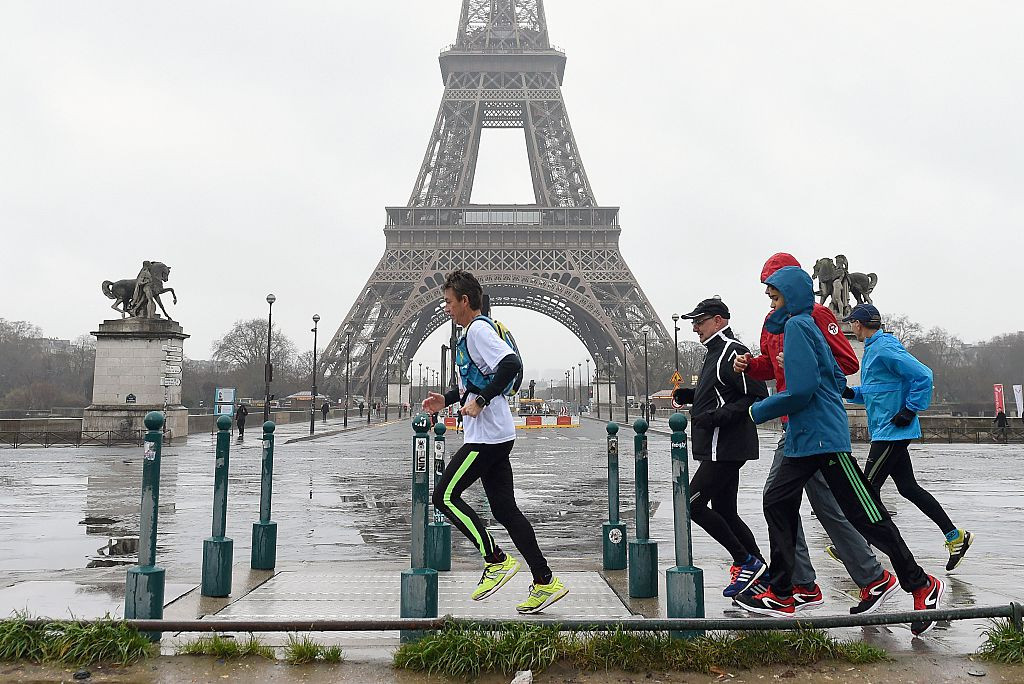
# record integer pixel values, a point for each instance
(559, 256)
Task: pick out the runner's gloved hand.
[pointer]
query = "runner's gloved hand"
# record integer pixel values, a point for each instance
(848, 393)
(904, 418)
(682, 396)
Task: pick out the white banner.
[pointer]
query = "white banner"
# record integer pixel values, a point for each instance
(1018, 396)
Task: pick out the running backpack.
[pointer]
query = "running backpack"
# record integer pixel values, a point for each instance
(473, 379)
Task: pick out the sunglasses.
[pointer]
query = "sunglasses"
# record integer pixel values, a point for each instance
(701, 321)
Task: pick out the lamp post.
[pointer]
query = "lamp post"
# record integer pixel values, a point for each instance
(348, 364)
(579, 393)
(608, 366)
(421, 395)
(588, 385)
(625, 378)
(312, 396)
(675, 324)
(597, 379)
(268, 369)
(369, 382)
(647, 379)
(575, 399)
(387, 380)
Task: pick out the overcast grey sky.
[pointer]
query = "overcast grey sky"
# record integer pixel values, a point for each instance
(253, 146)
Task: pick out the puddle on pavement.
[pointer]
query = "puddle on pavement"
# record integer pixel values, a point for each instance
(62, 599)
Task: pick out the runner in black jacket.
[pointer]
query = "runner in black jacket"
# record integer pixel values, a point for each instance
(723, 439)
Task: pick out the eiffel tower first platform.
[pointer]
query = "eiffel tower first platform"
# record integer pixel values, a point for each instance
(559, 257)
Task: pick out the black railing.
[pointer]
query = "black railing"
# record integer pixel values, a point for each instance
(75, 438)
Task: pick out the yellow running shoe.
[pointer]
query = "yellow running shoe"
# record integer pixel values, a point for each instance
(542, 595)
(495, 576)
(957, 548)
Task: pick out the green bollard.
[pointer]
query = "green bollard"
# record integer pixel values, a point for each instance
(218, 549)
(643, 552)
(144, 585)
(439, 532)
(684, 584)
(613, 532)
(264, 532)
(419, 584)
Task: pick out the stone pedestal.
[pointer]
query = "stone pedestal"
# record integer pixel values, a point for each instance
(137, 362)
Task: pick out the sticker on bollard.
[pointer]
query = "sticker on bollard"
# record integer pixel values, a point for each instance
(613, 532)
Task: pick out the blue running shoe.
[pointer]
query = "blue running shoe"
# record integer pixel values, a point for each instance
(742, 576)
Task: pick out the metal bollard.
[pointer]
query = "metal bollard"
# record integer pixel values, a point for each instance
(419, 584)
(439, 531)
(613, 532)
(218, 549)
(684, 584)
(144, 585)
(264, 532)
(643, 552)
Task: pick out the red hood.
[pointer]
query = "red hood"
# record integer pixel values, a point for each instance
(777, 261)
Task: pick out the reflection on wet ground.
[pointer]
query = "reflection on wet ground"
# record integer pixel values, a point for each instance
(346, 498)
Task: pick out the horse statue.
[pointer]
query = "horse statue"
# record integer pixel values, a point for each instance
(862, 285)
(825, 273)
(139, 297)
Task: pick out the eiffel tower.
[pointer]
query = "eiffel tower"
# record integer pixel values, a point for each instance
(559, 256)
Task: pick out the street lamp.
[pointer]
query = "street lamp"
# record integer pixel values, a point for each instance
(312, 396)
(268, 369)
(574, 397)
(421, 395)
(608, 366)
(675, 323)
(348, 364)
(369, 382)
(387, 380)
(647, 379)
(566, 387)
(596, 380)
(625, 378)
(588, 383)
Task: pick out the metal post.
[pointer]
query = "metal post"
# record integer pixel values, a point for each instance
(312, 396)
(268, 369)
(597, 382)
(348, 365)
(421, 395)
(387, 380)
(439, 532)
(419, 584)
(675, 324)
(144, 585)
(647, 383)
(643, 552)
(625, 378)
(264, 532)
(218, 549)
(684, 583)
(613, 531)
(589, 382)
(608, 368)
(369, 384)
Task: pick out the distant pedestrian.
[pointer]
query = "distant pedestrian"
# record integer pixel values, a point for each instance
(894, 388)
(361, 409)
(240, 413)
(325, 409)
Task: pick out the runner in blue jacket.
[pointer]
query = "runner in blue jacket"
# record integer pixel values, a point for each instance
(818, 439)
(894, 388)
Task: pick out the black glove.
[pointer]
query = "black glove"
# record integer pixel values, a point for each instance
(848, 393)
(904, 418)
(683, 396)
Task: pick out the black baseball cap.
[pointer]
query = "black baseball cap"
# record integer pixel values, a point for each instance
(709, 307)
(865, 313)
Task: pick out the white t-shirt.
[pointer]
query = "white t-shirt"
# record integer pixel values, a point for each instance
(494, 425)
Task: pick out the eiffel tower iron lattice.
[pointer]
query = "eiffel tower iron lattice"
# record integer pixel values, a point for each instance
(559, 257)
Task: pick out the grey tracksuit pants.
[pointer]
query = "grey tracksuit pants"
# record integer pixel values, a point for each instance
(854, 551)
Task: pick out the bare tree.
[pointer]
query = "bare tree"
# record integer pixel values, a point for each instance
(245, 345)
(905, 330)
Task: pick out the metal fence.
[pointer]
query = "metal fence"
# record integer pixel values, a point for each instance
(75, 438)
(950, 435)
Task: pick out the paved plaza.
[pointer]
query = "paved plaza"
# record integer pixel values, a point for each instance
(342, 507)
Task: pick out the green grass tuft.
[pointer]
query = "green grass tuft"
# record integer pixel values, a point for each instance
(466, 652)
(223, 647)
(301, 650)
(1003, 643)
(70, 643)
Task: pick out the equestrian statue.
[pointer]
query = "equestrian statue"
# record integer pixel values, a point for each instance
(836, 283)
(138, 297)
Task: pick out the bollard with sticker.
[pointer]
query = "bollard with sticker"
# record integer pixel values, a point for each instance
(613, 532)
(643, 551)
(684, 583)
(419, 583)
(264, 532)
(218, 550)
(439, 531)
(144, 585)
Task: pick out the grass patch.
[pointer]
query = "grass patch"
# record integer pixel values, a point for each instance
(70, 643)
(222, 647)
(300, 650)
(1003, 643)
(466, 652)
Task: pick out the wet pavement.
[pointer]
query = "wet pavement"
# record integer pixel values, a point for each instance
(342, 507)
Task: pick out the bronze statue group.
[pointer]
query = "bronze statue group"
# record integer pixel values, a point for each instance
(804, 349)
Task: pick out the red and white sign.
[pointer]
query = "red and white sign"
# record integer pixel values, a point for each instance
(997, 391)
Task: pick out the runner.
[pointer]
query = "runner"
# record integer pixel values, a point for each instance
(819, 441)
(724, 438)
(876, 583)
(894, 388)
(489, 435)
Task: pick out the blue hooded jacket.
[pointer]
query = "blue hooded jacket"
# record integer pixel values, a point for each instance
(892, 379)
(814, 382)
